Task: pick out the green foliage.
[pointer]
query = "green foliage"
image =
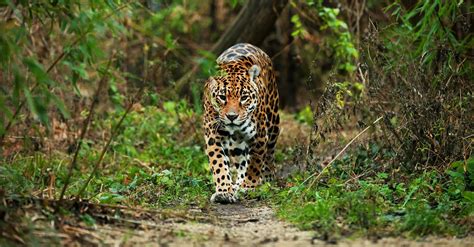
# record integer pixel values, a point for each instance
(381, 204)
(207, 62)
(153, 162)
(305, 115)
(336, 38)
(421, 219)
(298, 27)
(427, 87)
(432, 30)
(461, 183)
(51, 49)
(341, 41)
(148, 139)
(235, 3)
(85, 26)
(347, 92)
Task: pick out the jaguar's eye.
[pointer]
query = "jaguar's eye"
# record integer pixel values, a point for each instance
(244, 98)
(222, 97)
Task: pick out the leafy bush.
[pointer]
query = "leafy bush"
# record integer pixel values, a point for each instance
(31, 67)
(55, 53)
(337, 40)
(426, 95)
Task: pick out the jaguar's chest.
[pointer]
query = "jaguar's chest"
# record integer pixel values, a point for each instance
(239, 133)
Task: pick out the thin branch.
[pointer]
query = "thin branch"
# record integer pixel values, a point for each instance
(337, 156)
(114, 131)
(107, 144)
(85, 126)
(283, 49)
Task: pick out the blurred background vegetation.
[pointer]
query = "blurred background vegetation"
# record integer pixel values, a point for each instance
(340, 64)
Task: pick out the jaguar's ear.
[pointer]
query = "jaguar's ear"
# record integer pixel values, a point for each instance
(254, 71)
(211, 83)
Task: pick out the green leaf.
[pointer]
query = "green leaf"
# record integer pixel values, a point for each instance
(19, 84)
(61, 106)
(169, 106)
(234, 3)
(37, 70)
(455, 174)
(468, 196)
(89, 220)
(30, 101)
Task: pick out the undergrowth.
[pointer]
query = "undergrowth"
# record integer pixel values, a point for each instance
(353, 199)
(157, 161)
(153, 162)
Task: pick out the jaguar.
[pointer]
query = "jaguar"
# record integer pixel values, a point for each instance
(241, 121)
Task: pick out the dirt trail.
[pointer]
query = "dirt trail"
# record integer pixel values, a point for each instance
(243, 224)
(247, 223)
(220, 225)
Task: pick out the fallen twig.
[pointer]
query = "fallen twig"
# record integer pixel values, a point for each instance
(357, 177)
(247, 220)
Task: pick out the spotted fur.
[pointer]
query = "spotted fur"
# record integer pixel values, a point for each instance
(241, 121)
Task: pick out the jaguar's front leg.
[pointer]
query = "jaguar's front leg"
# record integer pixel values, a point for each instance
(239, 153)
(219, 163)
(254, 173)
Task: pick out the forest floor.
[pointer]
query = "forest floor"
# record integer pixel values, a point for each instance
(154, 190)
(246, 223)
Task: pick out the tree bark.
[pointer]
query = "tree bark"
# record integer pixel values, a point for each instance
(253, 23)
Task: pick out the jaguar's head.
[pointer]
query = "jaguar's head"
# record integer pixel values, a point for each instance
(234, 96)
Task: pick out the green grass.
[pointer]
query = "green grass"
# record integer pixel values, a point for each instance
(158, 161)
(411, 205)
(153, 162)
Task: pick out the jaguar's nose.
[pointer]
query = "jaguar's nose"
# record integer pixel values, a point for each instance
(231, 116)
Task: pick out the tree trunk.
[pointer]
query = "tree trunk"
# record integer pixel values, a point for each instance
(253, 23)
